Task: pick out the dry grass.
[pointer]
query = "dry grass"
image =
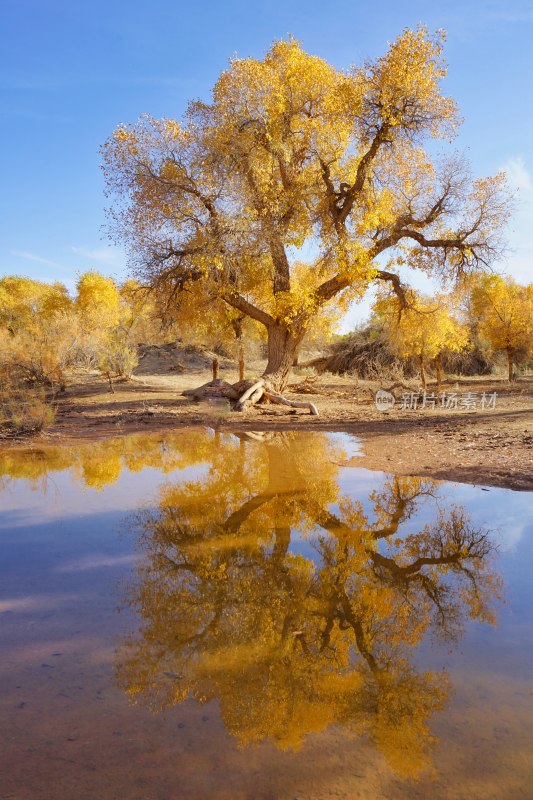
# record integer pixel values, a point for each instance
(24, 412)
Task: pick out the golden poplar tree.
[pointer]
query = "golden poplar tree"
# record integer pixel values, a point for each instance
(424, 329)
(504, 310)
(36, 330)
(293, 156)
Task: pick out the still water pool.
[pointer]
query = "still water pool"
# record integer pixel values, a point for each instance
(238, 616)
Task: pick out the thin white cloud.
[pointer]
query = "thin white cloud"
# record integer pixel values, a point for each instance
(108, 256)
(519, 261)
(32, 257)
(36, 602)
(518, 175)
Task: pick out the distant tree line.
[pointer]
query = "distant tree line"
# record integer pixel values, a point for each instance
(464, 332)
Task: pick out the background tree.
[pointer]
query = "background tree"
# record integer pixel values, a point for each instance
(504, 310)
(424, 329)
(44, 332)
(294, 156)
(27, 304)
(113, 318)
(37, 330)
(97, 300)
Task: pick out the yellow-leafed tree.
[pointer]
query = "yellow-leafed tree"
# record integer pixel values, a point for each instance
(424, 329)
(97, 300)
(109, 314)
(36, 329)
(504, 310)
(294, 157)
(27, 304)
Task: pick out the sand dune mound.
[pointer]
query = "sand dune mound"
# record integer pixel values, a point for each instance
(175, 357)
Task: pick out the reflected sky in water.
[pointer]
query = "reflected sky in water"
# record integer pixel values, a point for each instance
(298, 623)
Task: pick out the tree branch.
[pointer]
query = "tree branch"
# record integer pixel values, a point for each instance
(237, 301)
(363, 169)
(397, 286)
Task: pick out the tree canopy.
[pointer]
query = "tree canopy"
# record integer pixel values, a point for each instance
(425, 329)
(283, 195)
(504, 312)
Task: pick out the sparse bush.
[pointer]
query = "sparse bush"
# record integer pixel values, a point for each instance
(117, 359)
(23, 411)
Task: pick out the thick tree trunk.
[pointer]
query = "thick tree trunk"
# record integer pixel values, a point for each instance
(510, 363)
(283, 347)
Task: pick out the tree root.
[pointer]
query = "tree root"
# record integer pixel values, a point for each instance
(251, 395)
(259, 390)
(275, 397)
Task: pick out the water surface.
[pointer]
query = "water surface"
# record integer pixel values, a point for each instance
(207, 615)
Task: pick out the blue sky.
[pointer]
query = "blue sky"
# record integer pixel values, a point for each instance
(71, 71)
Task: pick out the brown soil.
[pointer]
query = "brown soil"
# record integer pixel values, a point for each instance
(492, 447)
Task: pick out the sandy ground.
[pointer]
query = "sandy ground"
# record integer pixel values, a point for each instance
(489, 446)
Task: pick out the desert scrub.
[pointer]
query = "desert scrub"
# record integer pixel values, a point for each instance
(117, 360)
(23, 412)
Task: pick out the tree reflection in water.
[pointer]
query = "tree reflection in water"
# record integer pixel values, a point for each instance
(99, 464)
(288, 644)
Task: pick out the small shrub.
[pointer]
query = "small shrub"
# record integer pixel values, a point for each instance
(23, 411)
(118, 362)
